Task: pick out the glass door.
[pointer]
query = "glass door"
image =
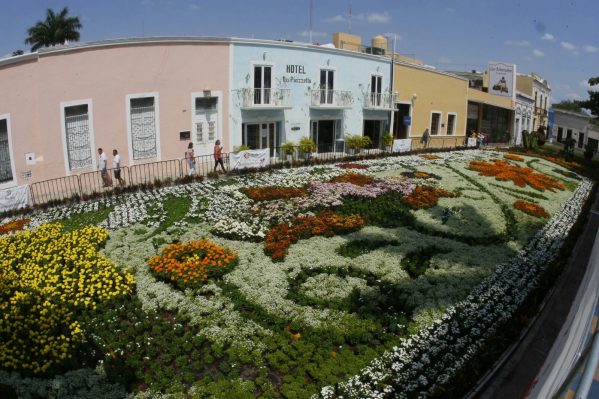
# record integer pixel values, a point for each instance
(327, 81)
(258, 136)
(376, 83)
(262, 84)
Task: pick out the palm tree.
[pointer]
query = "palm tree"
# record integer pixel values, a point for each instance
(56, 29)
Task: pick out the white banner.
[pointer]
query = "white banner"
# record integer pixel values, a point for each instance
(402, 145)
(471, 142)
(14, 198)
(250, 159)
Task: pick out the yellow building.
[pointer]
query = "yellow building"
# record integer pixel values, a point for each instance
(429, 99)
(538, 88)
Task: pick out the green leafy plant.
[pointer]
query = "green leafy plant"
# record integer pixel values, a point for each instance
(307, 145)
(387, 139)
(589, 151)
(240, 148)
(288, 148)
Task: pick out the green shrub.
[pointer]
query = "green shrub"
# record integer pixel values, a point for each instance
(288, 148)
(240, 148)
(307, 145)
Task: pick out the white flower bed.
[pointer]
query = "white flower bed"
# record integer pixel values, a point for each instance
(436, 353)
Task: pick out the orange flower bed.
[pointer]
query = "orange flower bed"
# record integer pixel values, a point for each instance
(353, 178)
(425, 197)
(192, 263)
(520, 176)
(279, 238)
(513, 157)
(564, 163)
(531, 209)
(352, 166)
(430, 156)
(13, 225)
(269, 193)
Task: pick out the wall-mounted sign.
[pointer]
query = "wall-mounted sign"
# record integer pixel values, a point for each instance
(502, 79)
(298, 70)
(295, 128)
(407, 120)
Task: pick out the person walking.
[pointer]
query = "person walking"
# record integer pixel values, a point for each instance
(425, 137)
(102, 160)
(218, 156)
(191, 161)
(116, 165)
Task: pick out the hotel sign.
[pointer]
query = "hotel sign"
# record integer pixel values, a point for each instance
(502, 79)
(297, 71)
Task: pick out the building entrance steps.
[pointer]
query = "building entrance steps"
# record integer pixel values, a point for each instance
(517, 374)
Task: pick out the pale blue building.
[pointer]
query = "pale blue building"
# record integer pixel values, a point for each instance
(283, 91)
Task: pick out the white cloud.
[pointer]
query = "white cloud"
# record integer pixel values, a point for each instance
(445, 60)
(450, 10)
(573, 96)
(518, 43)
(306, 33)
(590, 49)
(568, 46)
(333, 19)
(548, 37)
(538, 53)
(587, 86)
(375, 17)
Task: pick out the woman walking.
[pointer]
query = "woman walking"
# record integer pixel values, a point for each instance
(218, 156)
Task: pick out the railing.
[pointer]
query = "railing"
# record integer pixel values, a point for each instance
(85, 185)
(326, 98)
(540, 111)
(265, 98)
(378, 101)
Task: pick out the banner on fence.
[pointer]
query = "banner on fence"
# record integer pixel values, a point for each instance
(402, 145)
(250, 159)
(471, 142)
(14, 198)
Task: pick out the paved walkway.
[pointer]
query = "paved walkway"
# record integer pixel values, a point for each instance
(515, 377)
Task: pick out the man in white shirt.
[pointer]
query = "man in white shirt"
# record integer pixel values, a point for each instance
(116, 165)
(106, 181)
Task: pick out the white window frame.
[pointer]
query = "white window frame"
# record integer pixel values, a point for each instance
(430, 122)
(380, 92)
(455, 119)
(12, 183)
(90, 118)
(219, 110)
(273, 81)
(128, 99)
(335, 79)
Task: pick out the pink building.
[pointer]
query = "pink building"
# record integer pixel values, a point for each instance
(148, 98)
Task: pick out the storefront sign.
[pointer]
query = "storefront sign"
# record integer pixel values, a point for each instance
(297, 70)
(402, 145)
(250, 159)
(502, 79)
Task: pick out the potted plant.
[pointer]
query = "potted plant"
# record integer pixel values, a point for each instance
(307, 146)
(288, 148)
(240, 148)
(387, 140)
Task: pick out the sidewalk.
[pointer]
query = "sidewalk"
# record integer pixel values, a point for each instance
(515, 376)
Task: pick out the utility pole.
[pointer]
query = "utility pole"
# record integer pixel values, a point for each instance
(392, 85)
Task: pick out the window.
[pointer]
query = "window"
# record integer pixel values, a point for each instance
(376, 83)
(435, 119)
(262, 84)
(204, 119)
(143, 127)
(560, 134)
(327, 83)
(451, 118)
(5, 161)
(78, 136)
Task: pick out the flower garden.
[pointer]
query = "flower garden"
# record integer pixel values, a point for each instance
(355, 280)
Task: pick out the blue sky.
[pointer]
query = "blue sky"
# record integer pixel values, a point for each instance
(557, 39)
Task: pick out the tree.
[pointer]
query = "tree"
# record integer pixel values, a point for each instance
(592, 103)
(568, 105)
(17, 52)
(56, 29)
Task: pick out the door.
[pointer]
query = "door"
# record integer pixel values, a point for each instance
(401, 125)
(376, 83)
(580, 140)
(373, 129)
(327, 82)
(205, 124)
(262, 84)
(323, 134)
(258, 136)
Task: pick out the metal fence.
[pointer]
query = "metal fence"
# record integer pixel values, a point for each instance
(86, 185)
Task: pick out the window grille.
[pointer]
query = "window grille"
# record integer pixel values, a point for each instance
(79, 151)
(200, 132)
(143, 128)
(5, 164)
(211, 131)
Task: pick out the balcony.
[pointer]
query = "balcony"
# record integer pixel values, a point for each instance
(540, 111)
(379, 101)
(264, 98)
(325, 98)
